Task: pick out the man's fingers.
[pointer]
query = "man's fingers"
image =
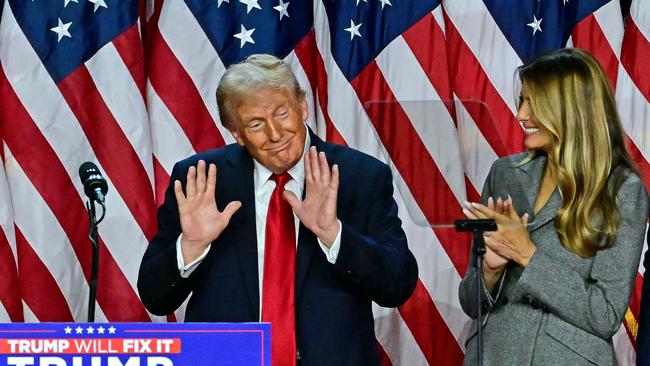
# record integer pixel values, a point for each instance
(292, 200)
(325, 173)
(190, 184)
(211, 185)
(200, 177)
(178, 191)
(230, 209)
(308, 173)
(315, 165)
(334, 183)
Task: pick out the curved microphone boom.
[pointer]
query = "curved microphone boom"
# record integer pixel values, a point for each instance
(95, 187)
(94, 183)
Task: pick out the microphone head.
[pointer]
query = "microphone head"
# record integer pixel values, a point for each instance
(93, 181)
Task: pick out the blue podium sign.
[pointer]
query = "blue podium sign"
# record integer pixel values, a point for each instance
(135, 344)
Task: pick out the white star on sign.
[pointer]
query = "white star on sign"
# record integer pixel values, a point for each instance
(90, 330)
(354, 29)
(245, 36)
(250, 4)
(282, 9)
(100, 330)
(536, 24)
(68, 330)
(66, 2)
(79, 330)
(98, 3)
(219, 2)
(62, 30)
(111, 330)
(358, 1)
(384, 2)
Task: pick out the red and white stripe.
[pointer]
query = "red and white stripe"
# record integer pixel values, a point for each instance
(96, 113)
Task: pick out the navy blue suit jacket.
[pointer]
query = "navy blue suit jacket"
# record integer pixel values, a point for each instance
(334, 322)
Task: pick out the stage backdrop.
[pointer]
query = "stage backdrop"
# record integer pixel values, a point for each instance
(131, 86)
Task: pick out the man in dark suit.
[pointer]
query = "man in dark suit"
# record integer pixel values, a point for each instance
(297, 231)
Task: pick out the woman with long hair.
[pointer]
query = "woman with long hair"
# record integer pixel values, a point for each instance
(571, 214)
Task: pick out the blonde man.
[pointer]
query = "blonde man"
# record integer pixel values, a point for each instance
(298, 232)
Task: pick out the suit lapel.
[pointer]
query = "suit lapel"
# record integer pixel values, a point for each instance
(307, 241)
(532, 176)
(239, 186)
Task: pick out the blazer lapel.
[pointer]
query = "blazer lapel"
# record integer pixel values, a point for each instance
(533, 172)
(240, 186)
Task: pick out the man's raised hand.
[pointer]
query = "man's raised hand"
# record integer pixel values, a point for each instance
(318, 211)
(201, 220)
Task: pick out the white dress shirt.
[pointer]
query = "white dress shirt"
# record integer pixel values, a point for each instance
(263, 189)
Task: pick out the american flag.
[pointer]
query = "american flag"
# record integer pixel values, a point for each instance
(131, 86)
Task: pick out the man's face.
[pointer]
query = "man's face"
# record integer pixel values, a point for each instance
(269, 123)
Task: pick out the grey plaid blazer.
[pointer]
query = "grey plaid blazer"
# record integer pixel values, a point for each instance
(561, 309)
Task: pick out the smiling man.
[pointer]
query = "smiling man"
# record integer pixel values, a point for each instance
(298, 232)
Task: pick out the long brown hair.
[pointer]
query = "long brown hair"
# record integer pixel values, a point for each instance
(572, 99)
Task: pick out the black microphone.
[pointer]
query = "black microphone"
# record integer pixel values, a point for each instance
(95, 185)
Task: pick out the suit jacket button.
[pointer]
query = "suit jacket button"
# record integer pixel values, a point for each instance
(485, 306)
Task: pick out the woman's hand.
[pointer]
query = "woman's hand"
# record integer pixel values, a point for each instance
(511, 240)
(493, 263)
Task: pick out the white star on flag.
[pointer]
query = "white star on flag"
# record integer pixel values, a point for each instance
(245, 36)
(219, 2)
(62, 30)
(536, 24)
(354, 29)
(282, 9)
(384, 2)
(98, 3)
(79, 330)
(67, 330)
(250, 4)
(358, 1)
(66, 2)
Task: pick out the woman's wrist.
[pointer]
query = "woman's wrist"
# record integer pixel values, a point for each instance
(491, 275)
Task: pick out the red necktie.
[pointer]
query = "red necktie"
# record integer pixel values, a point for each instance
(279, 275)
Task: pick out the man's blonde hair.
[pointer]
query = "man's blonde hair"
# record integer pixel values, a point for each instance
(257, 71)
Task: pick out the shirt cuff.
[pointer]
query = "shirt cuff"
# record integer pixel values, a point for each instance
(186, 270)
(332, 252)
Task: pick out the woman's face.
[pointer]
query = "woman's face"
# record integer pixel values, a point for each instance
(537, 137)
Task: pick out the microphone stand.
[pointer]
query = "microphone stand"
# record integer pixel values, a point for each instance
(94, 240)
(478, 227)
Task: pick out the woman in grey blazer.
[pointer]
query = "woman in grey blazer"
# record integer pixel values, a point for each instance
(559, 271)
